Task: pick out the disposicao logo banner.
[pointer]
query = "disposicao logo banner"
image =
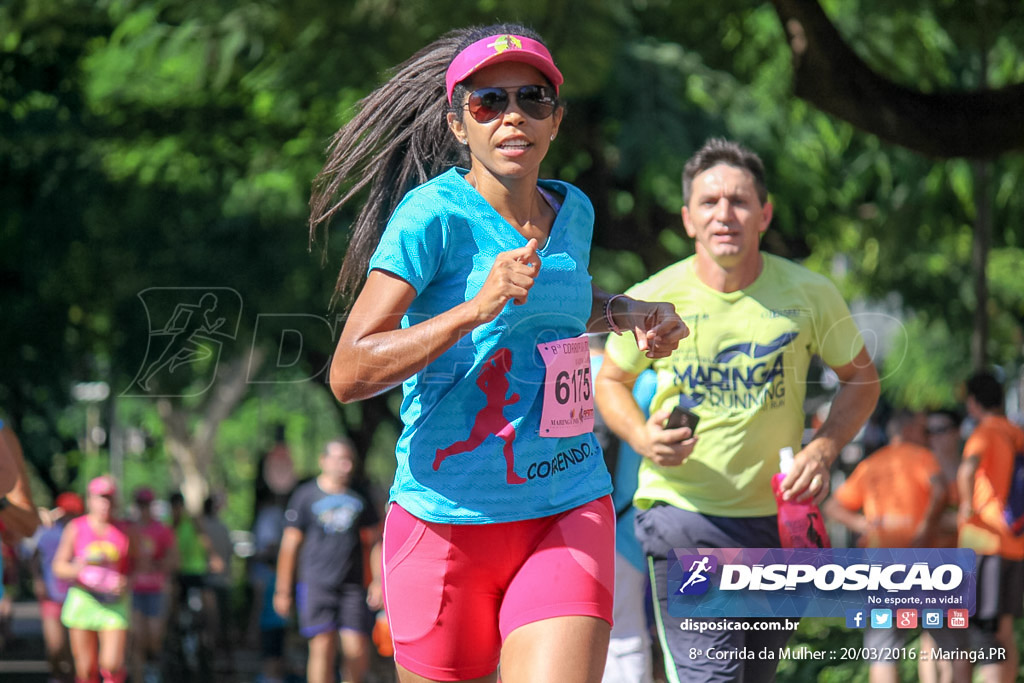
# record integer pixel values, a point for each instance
(795, 582)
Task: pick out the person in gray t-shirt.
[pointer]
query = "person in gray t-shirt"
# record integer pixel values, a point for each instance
(326, 524)
(218, 577)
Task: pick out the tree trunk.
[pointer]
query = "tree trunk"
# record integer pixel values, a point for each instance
(982, 243)
(976, 124)
(192, 448)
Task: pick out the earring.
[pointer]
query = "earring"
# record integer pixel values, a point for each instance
(552, 137)
(464, 141)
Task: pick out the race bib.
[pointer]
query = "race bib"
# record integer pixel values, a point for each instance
(568, 408)
(97, 579)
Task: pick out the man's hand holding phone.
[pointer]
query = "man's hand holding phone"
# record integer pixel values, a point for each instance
(681, 417)
(669, 437)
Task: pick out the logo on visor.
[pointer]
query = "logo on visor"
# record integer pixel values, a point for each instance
(502, 43)
(696, 580)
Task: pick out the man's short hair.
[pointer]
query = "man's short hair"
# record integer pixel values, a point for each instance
(721, 151)
(985, 389)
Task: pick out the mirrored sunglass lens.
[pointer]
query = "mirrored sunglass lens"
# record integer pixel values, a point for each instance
(487, 104)
(536, 101)
(535, 93)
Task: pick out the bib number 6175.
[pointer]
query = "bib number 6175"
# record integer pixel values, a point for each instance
(568, 408)
(573, 386)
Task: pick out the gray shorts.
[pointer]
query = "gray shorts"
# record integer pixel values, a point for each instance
(1000, 593)
(322, 609)
(1000, 588)
(663, 528)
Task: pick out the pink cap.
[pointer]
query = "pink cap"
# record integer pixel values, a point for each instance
(497, 49)
(102, 486)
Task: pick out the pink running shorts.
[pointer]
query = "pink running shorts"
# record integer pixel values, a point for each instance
(454, 592)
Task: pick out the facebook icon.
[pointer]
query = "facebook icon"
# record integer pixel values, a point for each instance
(855, 618)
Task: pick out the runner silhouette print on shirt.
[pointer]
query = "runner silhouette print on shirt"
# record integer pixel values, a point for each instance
(493, 381)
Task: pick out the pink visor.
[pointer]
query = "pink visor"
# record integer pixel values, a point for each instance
(497, 49)
(102, 486)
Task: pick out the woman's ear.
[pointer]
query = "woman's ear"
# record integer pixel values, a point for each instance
(557, 119)
(457, 128)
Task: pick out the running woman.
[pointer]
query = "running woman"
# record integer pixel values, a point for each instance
(94, 556)
(157, 556)
(474, 295)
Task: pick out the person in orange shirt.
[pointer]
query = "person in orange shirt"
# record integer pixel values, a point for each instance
(893, 499)
(983, 480)
(895, 496)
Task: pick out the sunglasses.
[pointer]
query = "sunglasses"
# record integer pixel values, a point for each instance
(536, 101)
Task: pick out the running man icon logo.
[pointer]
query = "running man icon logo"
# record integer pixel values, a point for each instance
(188, 329)
(697, 581)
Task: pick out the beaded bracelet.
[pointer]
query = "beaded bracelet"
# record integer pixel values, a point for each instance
(608, 313)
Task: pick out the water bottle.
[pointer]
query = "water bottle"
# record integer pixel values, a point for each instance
(800, 524)
(382, 635)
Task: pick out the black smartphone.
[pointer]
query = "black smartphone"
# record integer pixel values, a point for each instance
(681, 417)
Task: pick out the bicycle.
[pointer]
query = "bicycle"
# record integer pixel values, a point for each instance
(188, 655)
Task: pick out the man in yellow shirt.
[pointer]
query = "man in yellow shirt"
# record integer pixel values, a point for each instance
(756, 321)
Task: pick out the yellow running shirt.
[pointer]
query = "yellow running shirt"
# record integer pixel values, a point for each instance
(743, 370)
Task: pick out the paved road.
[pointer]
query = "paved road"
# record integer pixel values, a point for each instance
(23, 661)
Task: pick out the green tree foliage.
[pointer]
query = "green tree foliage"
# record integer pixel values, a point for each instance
(897, 221)
(150, 143)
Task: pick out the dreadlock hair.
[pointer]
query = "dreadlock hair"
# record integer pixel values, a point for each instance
(398, 139)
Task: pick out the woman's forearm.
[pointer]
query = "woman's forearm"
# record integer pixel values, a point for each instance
(368, 365)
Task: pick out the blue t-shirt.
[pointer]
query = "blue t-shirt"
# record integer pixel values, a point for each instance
(470, 451)
(624, 478)
(56, 589)
(626, 474)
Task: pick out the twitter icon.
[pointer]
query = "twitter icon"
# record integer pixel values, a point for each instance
(881, 618)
